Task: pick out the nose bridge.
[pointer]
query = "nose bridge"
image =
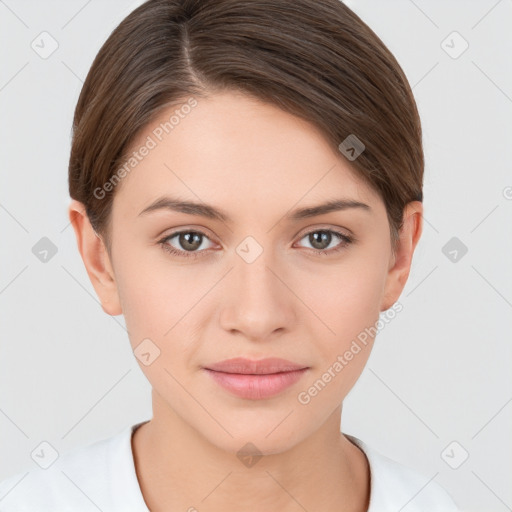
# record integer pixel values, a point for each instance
(252, 269)
(257, 302)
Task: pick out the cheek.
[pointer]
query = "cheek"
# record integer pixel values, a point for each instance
(348, 306)
(145, 296)
(142, 305)
(345, 298)
(159, 299)
(155, 304)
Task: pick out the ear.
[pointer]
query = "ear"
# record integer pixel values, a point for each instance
(400, 263)
(96, 259)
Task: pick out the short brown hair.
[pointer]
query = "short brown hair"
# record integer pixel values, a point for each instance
(312, 58)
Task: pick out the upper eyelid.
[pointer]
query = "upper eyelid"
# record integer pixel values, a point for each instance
(186, 230)
(307, 231)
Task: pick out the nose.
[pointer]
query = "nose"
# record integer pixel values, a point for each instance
(256, 300)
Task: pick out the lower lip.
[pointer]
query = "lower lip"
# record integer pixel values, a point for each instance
(256, 387)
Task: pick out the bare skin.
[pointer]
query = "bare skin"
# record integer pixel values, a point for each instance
(256, 163)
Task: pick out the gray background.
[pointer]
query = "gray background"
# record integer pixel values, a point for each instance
(440, 371)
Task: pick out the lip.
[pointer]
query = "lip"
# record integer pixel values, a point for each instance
(256, 380)
(246, 366)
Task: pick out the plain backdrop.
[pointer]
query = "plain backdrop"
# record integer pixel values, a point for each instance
(436, 393)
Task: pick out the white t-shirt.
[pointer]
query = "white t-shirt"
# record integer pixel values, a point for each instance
(101, 476)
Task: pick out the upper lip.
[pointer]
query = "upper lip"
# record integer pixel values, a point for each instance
(257, 367)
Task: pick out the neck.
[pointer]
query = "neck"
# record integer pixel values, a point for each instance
(178, 469)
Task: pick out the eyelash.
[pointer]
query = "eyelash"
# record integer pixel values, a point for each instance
(346, 240)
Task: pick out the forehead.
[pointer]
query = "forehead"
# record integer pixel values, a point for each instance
(233, 149)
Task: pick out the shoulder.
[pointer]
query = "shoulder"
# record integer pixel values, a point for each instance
(81, 479)
(394, 486)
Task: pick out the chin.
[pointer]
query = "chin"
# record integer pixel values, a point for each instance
(265, 439)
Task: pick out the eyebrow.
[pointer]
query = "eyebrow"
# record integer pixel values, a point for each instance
(205, 210)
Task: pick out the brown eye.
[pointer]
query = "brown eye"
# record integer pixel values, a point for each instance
(187, 243)
(321, 241)
(190, 241)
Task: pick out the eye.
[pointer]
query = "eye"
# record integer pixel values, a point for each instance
(188, 242)
(321, 239)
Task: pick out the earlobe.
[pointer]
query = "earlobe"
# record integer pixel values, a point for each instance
(398, 272)
(96, 259)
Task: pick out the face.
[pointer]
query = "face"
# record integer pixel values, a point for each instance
(257, 281)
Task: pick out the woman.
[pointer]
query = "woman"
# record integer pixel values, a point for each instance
(246, 184)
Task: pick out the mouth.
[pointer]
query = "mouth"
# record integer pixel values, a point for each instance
(256, 380)
(267, 366)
